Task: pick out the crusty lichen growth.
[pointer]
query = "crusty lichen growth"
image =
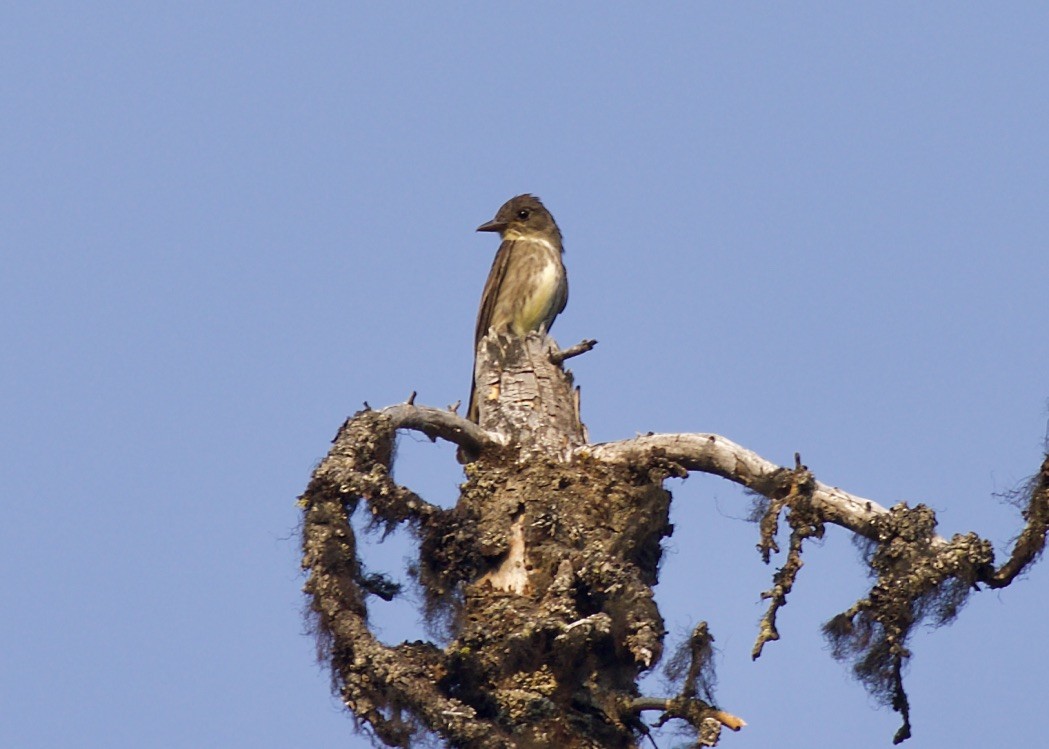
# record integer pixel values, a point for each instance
(548, 663)
(375, 681)
(543, 571)
(914, 580)
(1033, 500)
(805, 521)
(692, 665)
(918, 576)
(588, 623)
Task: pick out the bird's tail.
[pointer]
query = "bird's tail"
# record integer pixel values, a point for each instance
(472, 411)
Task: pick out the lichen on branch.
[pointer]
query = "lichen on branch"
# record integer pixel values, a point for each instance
(543, 570)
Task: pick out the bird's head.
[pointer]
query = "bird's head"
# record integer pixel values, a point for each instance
(523, 217)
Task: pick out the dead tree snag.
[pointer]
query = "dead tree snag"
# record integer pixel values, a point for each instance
(544, 569)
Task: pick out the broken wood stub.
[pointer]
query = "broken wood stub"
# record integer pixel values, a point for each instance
(525, 397)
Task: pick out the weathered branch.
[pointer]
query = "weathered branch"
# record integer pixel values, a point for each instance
(712, 453)
(692, 667)
(359, 466)
(374, 680)
(919, 574)
(705, 719)
(435, 422)
(1031, 541)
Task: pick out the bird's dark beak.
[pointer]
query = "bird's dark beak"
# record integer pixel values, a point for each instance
(492, 225)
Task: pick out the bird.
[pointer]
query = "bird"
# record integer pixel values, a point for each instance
(527, 287)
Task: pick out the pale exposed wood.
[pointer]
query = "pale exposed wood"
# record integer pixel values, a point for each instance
(512, 575)
(697, 451)
(436, 422)
(712, 453)
(526, 397)
(707, 453)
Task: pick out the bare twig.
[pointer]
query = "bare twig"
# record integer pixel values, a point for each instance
(557, 357)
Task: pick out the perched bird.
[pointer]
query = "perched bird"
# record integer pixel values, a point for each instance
(527, 286)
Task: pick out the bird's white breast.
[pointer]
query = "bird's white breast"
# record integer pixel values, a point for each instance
(546, 287)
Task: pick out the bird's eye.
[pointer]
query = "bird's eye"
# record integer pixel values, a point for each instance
(522, 214)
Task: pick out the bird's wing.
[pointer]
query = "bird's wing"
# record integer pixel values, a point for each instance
(491, 289)
(564, 296)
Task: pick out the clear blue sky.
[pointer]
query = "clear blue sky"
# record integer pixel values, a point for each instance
(810, 227)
